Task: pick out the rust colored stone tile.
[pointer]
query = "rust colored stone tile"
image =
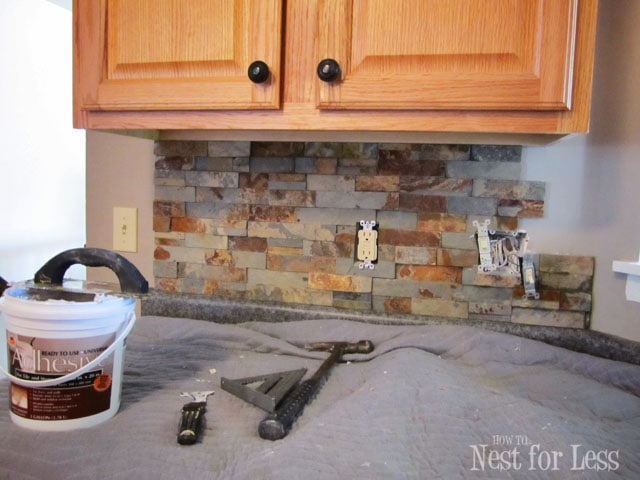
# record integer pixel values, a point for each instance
(408, 238)
(219, 257)
(444, 152)
(441, 222)
(161, 224)
(549, 299)
(578, 265)
(506, 223)
(430, 273)
(422, 203)
(257, 181)
(220, 273)
(343, 283)
(358, 166)
(161, 254)
(397, 305)
(180, 147)
(264, 213)
(285, 251)
(188, 224)
(210, 287)
(377, 183)
(323, 149)
(296, 198)
(248, 244)
(339, 248)
(276, 149)
(575, 301)
(439, 185)
(457, 258)
(345, 245)
(393, 202)
(471, 276)
(168, 209)
(438, 307)
(566, 281)
(287, 177)
(169, 242)
(174, 163)
(326, 166)
(170, 285)
(415, 255)
(300, 264)
(509, 189)
(400, 162)
(521, 208)
(360, 150)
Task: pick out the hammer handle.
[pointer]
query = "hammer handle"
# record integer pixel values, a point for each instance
(276, 425)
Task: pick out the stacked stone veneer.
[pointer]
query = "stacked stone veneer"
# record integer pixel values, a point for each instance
(276, 221)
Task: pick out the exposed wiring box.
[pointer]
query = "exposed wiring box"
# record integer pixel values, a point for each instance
(367, 243)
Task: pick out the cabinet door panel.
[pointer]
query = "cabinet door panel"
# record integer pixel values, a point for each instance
(448, 54)
(178, 55)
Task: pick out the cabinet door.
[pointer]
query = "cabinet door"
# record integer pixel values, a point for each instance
(176, 54)
(448, 54)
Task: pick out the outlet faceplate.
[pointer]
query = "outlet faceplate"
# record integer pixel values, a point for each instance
(367, 243)
(125, 229)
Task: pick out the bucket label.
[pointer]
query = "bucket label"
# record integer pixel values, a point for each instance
(32, 358)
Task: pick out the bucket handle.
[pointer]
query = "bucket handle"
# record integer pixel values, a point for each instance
(76, 373)
(130, 278)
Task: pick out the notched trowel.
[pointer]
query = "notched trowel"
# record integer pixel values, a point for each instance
(264, 391)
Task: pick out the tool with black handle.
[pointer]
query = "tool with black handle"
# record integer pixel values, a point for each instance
(191, 417)
(276, 425)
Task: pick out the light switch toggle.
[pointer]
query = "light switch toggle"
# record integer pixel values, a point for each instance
(125, 229)
(367, 244)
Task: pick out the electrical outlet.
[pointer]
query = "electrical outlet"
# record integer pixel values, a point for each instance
(367, 243)
(125, 229)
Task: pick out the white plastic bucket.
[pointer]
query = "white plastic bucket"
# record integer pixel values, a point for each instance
(64, 359)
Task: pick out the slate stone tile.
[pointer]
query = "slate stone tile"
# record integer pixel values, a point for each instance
(484, 169)
(276, 149)
(229, 149)
(179, 148)
(509, 189)
(471, 206)
(174, 162)
(521, 208)
(501, 153)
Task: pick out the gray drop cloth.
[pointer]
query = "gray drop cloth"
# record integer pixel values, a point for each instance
(421, 407)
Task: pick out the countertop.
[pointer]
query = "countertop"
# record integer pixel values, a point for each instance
(230, 312)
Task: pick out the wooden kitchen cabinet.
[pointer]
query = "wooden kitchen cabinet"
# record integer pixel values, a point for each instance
(176, 54)
(455, 54)
(407, 67)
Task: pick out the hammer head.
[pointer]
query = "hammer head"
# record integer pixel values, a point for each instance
(363, 346)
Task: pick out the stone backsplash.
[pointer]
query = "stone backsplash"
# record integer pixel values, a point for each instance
(277, 221)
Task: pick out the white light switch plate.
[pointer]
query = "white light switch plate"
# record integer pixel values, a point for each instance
(125, 229)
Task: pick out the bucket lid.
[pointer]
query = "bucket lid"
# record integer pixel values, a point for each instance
(71, 290)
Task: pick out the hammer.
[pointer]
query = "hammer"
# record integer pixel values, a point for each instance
(276, 425)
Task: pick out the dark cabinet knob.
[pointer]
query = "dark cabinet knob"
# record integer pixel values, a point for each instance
(328, 70)
(258, 72)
